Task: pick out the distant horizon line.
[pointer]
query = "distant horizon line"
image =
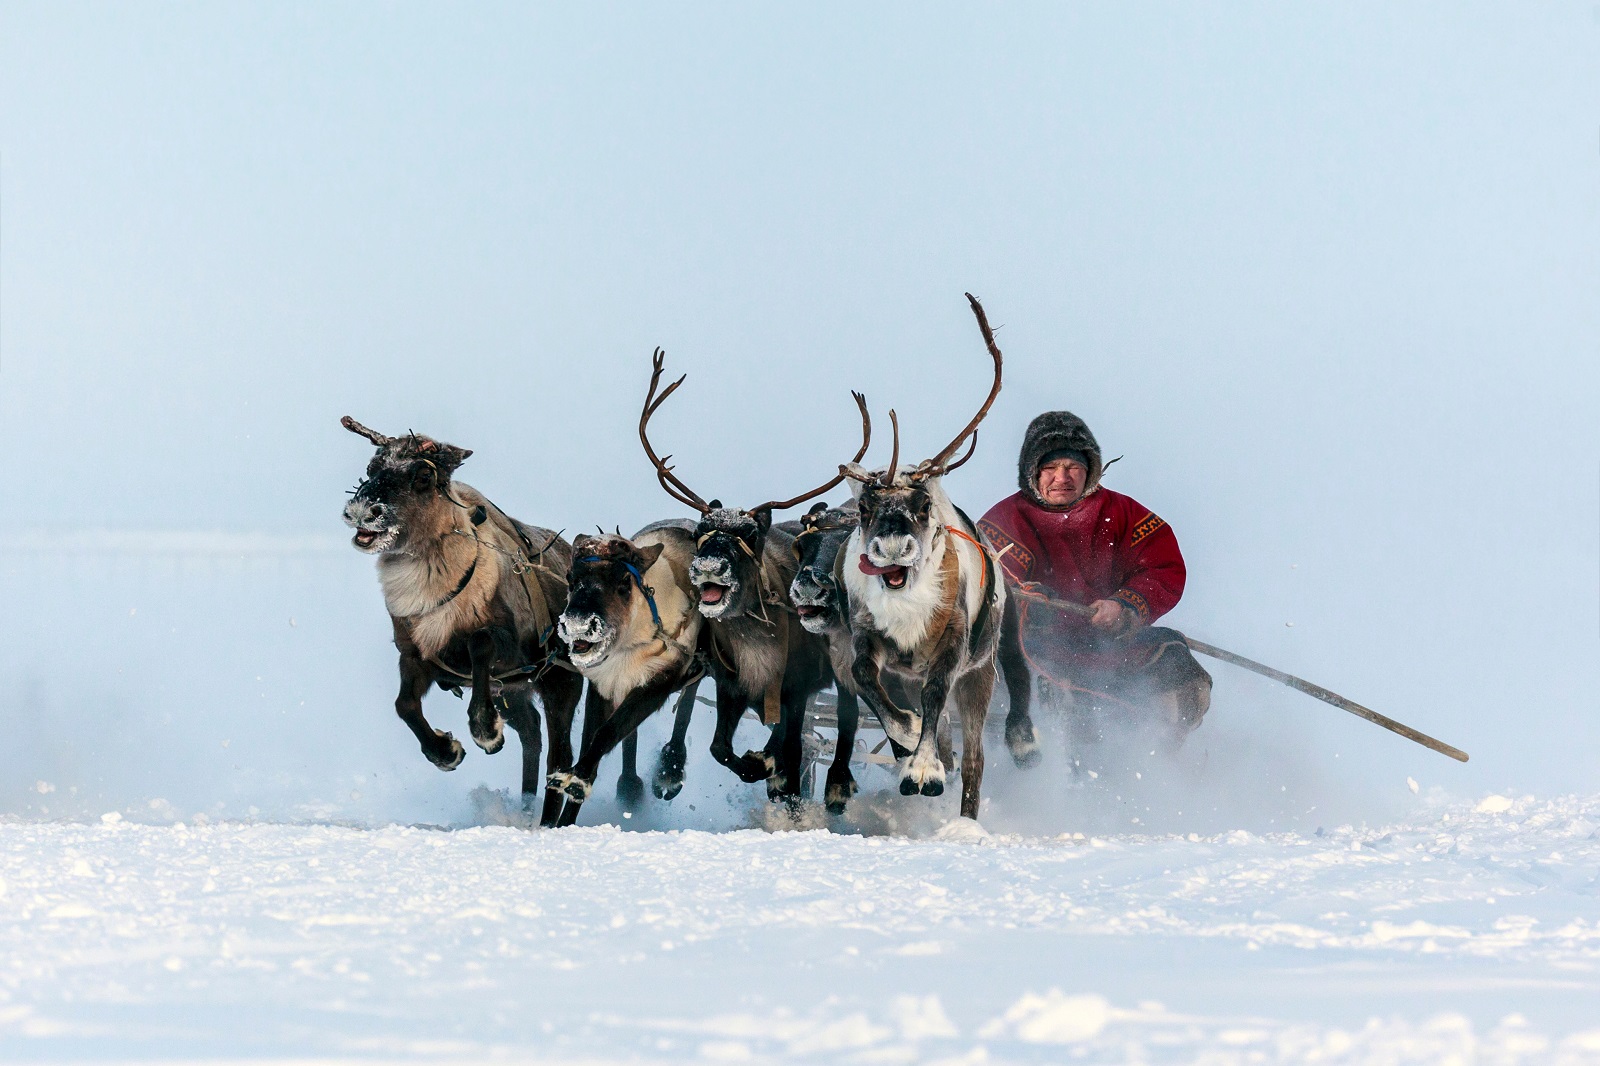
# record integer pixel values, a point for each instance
(168, 542)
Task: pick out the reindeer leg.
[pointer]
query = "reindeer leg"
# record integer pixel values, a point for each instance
(972, 699)
(630, 786)
(866, 670)
(749, 767)
(841, 783)
(771, 754)
(564, 783)
(559, 691)
(442, 749)
(924, 772)
(520, 715)
(1021, 738)
(668, 779)
(483, 717)
(947, 750)
(639, 704)
(783, 782)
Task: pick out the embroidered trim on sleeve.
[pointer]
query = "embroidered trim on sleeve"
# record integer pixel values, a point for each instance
(1140, 605)
(1147, 525)
(1005, 545)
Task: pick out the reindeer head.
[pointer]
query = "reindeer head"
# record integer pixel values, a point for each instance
(729, 542)
(407, 479)
(900, 505)
(813, 591)
(726, 568)
(605, 588)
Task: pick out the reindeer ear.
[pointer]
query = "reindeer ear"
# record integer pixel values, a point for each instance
(856, 475)
(449, 457)
(763, 519)
(579, 543)
(817, 508)
(648, 556)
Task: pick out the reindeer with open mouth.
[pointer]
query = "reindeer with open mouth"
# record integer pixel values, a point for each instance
(468, 589)
(929, 607)
(741, 569)
(632, 630)
(823, 604)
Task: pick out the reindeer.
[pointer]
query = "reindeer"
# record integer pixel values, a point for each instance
(821, 607)
(740, 569)
(632, 630)
(468, 589)
(929, 607)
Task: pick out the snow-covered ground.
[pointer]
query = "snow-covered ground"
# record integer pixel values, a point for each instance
(1460, 935)
(217, 844)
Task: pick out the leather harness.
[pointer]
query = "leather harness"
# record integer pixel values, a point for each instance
(524, 564)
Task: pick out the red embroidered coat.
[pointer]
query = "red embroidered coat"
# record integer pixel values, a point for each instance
(1107, 546)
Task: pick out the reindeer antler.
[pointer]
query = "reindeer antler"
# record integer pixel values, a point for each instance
(936, 467)
(371, 434)
(894, 456)
(866, 478)
(971, 447)
(669, 481)
(866, 439)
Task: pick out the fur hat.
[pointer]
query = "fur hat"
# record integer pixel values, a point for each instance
(1056, 431)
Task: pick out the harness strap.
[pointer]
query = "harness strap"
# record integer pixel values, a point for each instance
(466, 579)
(987, 584)
(646, 591)
(650, 598)
(521, 567)
(987, 576)
(772, 698)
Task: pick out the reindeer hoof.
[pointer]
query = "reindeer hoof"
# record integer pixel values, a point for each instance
(630, 791)
(668, 779)
(838, 794)
(572, 786)
(778, 789)
(666, 787)
(1024, 745)
(755, 766)
(924, 775)
(449, 753)
(491, 742)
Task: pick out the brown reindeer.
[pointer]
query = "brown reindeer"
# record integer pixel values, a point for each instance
(929, 607)
(756, 653)
(469, 591)
(632, 629)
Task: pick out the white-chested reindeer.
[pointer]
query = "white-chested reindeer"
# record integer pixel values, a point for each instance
(929, 606)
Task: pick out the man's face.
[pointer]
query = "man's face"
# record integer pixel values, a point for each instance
(1061, 482)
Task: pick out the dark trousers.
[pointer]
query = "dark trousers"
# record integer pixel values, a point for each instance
(1147, 679)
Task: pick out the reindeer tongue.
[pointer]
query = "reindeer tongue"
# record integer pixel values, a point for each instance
(867, 567)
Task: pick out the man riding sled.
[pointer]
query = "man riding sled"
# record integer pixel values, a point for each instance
(1066, 537)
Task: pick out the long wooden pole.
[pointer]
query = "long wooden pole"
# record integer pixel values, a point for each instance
(1297, 683)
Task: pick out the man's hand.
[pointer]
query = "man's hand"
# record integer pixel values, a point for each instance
(1109, 615)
